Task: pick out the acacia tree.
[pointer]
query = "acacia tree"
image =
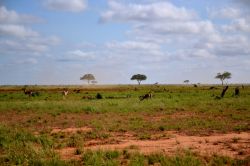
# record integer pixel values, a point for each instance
(223, 76)
(88, 77)
(186, 81)
(139, 78)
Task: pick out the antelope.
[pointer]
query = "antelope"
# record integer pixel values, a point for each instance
(65, 93)
(146, 96)
(30, 93)
(77, 90)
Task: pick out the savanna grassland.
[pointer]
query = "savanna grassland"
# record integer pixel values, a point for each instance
(180, 125)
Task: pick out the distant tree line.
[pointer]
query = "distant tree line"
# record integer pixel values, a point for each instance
(141, 77)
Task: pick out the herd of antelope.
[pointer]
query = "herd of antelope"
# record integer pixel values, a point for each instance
(148, 95)
(65, 92)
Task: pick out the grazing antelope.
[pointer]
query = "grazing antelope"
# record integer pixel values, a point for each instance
(30, 93)
(146, 96)
(77, 90)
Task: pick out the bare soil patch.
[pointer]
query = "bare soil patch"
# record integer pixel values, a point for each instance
(234, 145)
(68, 154)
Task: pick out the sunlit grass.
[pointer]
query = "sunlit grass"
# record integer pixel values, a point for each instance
(178, 108)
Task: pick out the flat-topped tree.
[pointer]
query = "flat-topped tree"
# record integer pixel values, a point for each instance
(139, 78)
(186, 81)
(88, 77)
(223, 76)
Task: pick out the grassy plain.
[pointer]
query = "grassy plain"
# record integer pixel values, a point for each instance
(35, 130)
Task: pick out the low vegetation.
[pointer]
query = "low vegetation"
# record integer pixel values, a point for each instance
(28, 124)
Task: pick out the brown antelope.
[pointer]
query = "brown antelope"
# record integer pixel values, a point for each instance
(77, 90)
(146, 96)
(30, 93)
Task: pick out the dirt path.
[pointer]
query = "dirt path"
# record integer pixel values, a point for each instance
(235, 145)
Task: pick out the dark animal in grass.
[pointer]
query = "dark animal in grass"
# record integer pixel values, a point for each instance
(146, 96)
(98, 96)
(77, 90)
(237, 91)
(30, 93)
(195, 86)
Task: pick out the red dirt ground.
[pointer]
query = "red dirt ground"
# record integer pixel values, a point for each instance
(235, 145)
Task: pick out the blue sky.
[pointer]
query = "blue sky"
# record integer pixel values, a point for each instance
(58, 41)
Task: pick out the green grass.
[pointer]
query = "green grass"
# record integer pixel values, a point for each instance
(179, 108)
(20, 147)
(229, 113)
(115, 158)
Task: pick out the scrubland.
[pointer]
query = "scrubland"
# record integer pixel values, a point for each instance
(179, 125)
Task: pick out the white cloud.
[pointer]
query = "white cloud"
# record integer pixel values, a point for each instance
(17, 39)
(145, 12)
(77, 56)
(17, 31)
(178, 28)
(30, 46)
(178, 33)
(81, 54)
(238, 25)
(224, 45)
(132, 45)
(50, 40)
(66, 5)
(24, 47)
(200, 53)
(12, 17)
(225, 13)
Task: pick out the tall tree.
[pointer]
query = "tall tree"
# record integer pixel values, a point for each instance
(186, 81)
(223, 76)
(88, 77)
(139, 78)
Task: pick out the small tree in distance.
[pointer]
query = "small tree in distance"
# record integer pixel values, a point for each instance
(186, 81)
(223, 76)
(88, 77)
(139, 78)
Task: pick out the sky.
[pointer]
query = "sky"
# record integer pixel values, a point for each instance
(50, 42)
